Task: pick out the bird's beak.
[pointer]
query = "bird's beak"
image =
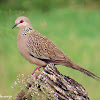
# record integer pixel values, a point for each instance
(14, 26)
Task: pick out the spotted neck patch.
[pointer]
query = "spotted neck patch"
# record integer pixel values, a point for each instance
(26, 30)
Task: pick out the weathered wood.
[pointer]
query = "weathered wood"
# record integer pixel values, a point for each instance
(64, 87)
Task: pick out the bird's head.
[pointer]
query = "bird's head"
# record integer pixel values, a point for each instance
(22, 22)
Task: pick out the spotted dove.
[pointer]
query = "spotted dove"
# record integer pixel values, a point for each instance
(41, 51)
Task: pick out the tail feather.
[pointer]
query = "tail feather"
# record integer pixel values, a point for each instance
(73, 65)
(90, 74)
(69, 63)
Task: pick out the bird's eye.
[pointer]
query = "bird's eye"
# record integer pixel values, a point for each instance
(21, 21)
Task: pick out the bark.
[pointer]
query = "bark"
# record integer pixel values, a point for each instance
(64, 87)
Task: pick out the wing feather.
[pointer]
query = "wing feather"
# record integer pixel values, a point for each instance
(41, 47)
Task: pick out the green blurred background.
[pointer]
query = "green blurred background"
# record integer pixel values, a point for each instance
(73, 25)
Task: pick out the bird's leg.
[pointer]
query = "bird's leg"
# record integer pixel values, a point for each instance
(36, 69)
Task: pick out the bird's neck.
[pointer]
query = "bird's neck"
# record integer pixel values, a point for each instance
(26, 30)
(23, 31)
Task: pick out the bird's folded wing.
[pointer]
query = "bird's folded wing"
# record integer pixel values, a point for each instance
(41, 47)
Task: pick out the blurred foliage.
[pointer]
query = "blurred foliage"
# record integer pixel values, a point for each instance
(75, 30)
(44, 5)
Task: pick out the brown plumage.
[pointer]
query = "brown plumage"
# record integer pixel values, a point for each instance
(39, 50)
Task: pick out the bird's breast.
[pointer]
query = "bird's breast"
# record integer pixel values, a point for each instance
(22, 48)
(21, 45)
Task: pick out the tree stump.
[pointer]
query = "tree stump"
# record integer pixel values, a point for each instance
(50, 84)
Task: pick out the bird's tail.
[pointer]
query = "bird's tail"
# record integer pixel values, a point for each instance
(73, 65)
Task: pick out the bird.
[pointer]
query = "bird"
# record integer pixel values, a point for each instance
(40, 50)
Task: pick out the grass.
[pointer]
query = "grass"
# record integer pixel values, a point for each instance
(75, 31)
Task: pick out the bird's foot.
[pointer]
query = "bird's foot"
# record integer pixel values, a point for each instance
(36, 69)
